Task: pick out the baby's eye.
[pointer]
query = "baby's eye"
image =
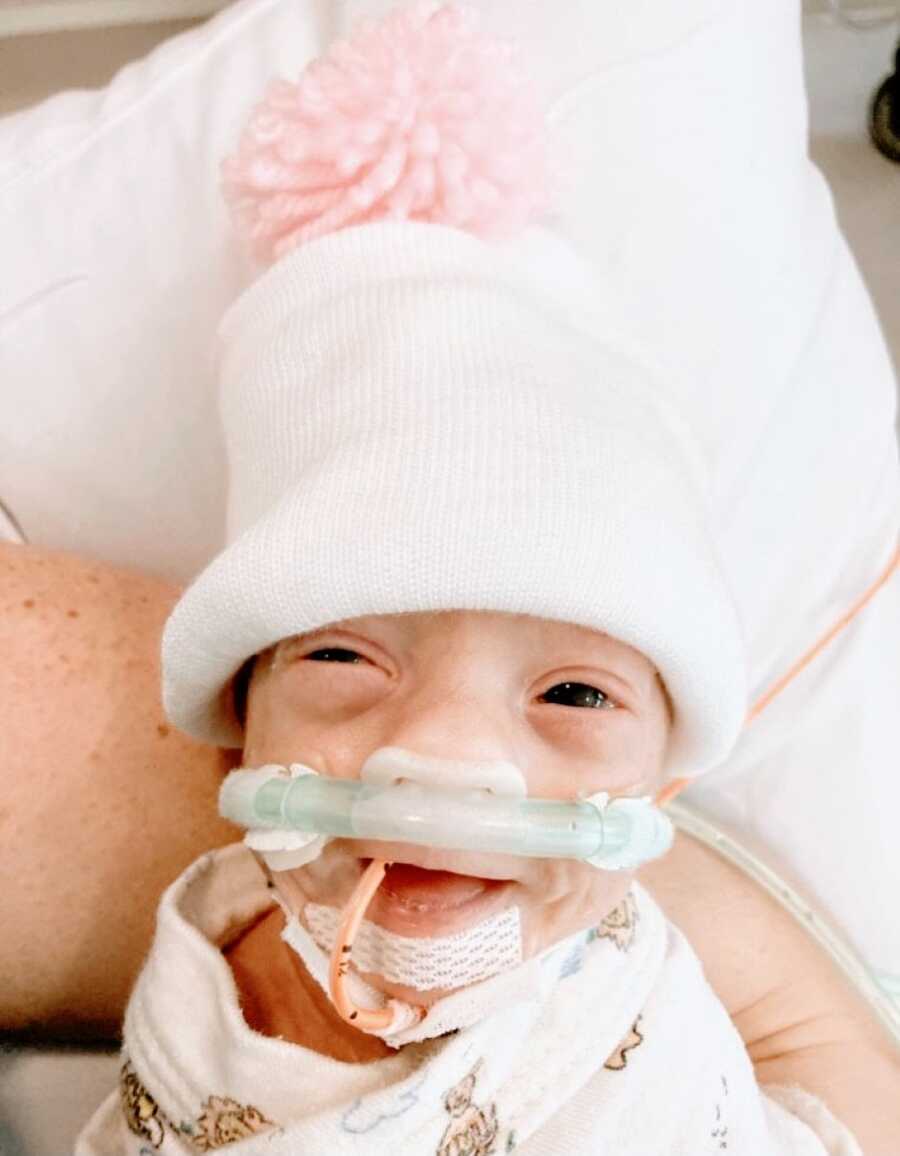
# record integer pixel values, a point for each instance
(334, 654)
(577, 694)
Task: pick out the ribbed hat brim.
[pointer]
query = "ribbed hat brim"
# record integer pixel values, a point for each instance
(413, 426)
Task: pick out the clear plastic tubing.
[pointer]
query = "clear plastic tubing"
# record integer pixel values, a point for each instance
(411, 813)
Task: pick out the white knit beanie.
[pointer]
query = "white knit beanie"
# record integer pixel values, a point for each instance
(417, 419)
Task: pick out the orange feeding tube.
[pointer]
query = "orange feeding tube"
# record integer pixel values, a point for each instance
(670, 790)
(366, 1019)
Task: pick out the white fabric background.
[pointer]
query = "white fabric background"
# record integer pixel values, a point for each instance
(117, 264)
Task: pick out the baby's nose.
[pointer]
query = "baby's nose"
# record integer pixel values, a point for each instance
(394, 765)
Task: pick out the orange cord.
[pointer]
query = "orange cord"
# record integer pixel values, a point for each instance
(366, 1019)
(670, 790)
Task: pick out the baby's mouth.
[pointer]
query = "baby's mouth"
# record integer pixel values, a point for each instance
(421, 901)
(423, 889)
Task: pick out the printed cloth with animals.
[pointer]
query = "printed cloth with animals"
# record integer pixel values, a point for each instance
(619, 1045)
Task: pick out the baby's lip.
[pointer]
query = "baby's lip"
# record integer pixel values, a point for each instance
(421, 889)
(507, 868)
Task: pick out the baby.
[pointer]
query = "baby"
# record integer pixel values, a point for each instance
(612, 1017)
(468, 567)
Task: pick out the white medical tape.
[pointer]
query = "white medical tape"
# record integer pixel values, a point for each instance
(447, 961)
(651, 832)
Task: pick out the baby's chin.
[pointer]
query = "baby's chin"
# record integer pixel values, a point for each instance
(410, 995)
(531, 944)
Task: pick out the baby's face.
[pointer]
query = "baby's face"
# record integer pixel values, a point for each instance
(575, 711)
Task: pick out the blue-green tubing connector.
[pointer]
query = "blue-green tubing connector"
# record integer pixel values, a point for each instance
(619, 834)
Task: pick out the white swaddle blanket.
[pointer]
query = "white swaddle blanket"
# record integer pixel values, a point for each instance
(621, 1047)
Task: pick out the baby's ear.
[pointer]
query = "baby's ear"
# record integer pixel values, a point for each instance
(670, 709)
(240, 689)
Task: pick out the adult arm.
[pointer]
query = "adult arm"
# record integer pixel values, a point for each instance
(102, 804)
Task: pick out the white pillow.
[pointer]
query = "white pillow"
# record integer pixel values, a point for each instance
(118, 261)
(693, 194)
(117, 265)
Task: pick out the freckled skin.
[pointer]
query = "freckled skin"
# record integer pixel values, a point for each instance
(100, 805)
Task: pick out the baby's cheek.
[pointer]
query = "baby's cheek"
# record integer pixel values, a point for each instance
(565, 897)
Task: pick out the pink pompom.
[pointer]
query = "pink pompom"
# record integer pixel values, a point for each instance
(422, 117)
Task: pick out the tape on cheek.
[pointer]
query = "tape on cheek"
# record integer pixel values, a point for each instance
(283, 850)
(448, 961)
(650, 832)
